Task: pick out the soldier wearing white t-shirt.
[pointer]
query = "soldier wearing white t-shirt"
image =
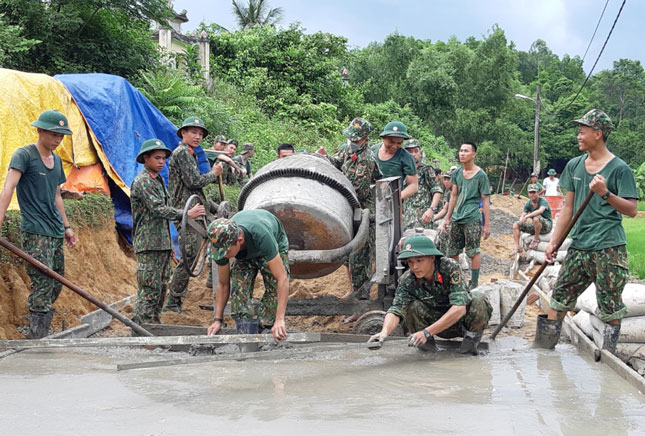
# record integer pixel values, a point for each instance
(550, 187)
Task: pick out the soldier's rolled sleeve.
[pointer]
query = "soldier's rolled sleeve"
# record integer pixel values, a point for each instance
(191, 175)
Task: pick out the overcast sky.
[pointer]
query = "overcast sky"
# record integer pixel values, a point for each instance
(565, 25)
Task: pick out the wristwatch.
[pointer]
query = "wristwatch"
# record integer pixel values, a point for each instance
(606, 195)
(426, 334)
(434, 209)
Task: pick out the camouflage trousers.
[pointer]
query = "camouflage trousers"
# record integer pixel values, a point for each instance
(243, 274)
(607, 268)
(153, 273)
(420, 315)
(49, 251)
(178, 286)
(463, 235)
(361, 263)
(412, 215)
(528, 226)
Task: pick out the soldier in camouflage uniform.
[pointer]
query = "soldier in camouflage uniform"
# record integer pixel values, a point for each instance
(257, 242)
(36, 172)
(432, 299)
(184, 180)
(243, 161)
(356, 160)
(419, 208)
(597, 253)
(151, 215)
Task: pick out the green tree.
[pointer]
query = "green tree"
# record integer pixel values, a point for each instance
(256, 13)
(90, 36)
(12, 43)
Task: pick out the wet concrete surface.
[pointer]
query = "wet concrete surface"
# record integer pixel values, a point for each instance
(513, 390)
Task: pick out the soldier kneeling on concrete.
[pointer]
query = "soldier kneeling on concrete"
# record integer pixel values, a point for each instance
(432, 299)
(257, 242)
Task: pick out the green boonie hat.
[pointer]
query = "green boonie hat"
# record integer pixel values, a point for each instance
(152, 145)
(358, 129)
(412, 143)
(597, 120)
(220, 138)
(222, 234)
(246, 147)
(193, 122)
(532, 188)
(551, 172)
(53, 121)
(418, 246)
(395, 128)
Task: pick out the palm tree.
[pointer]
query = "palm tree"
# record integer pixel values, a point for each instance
(256, 13)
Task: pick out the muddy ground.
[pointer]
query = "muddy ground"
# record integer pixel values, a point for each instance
(100, 265)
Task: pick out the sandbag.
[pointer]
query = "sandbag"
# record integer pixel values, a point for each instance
(631, 329)
(463, 262)
(633, 297)
(583, 320)
(509, 292)
(527, 238)
(540, 257)
(549, 277)
(626, 349)
(492, 294)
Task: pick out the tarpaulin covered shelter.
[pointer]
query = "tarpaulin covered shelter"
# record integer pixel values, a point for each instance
(110, 119)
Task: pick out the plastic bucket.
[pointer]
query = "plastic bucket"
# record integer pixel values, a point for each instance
(555, 203)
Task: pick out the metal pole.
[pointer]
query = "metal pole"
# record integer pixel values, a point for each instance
(536, 139)
(77, 289)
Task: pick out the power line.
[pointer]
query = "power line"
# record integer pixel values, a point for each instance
(598, 58)
(595, 30)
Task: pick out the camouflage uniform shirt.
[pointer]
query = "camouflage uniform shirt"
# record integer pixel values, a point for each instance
(416, 205)
(184, 178)
(446, 289)
(151, 213)
(361, 169)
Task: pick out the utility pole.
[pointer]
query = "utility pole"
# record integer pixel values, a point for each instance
(536, 139)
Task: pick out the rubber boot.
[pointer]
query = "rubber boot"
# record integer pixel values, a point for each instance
(470, 342)
(209, 280)
(247, 326)
(610, 337)
(173, 304)
(547, 332)
(39, 324)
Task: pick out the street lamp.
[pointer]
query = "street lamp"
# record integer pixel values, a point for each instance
(536, 139)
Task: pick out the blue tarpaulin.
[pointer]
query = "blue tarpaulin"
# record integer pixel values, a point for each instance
(122, 119)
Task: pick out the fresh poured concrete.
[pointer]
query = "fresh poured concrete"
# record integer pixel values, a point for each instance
(397, 390)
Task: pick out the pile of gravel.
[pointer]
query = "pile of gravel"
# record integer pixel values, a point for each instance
(501, 223)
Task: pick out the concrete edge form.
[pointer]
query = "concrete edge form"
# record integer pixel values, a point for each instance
(100, 319)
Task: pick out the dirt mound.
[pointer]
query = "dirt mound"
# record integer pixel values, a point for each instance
(512, 205)
(97, 264)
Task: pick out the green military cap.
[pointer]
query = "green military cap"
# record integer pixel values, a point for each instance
(193, 122)
(412, 143)
(222, 234)
(53, 121)
(597, 120)
(532, 188)
(418, 246)
(534, 175)
(358, 129)
(152, 145)
(395, 128)
(220, 138)
(247, 147)
(551, 172)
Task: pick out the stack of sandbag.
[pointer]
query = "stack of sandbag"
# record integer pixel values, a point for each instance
(502, 295)
(537, 254)
(631, 342)
(549, 277)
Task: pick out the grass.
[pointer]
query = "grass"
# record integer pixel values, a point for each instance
(641, 206)
(635, 245)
